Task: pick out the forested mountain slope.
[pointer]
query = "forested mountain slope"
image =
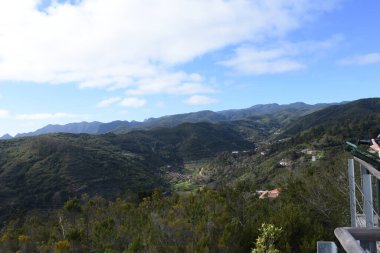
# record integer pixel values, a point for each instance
(338, 122)
(206, 174)
(44, 170)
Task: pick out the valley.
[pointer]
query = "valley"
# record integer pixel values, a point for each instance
(190, 187)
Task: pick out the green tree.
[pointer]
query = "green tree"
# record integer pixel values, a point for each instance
(265, 242)
(73, 207)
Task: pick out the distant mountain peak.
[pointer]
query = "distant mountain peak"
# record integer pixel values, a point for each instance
(6, 137)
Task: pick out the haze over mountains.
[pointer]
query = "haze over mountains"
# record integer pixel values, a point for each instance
(288, 111)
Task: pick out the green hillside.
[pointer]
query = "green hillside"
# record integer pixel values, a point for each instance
(357, 118)
(39, 172)
(42, 171)
(206, 174)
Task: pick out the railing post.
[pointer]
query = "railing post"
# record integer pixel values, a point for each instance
(368, 201)
(368, 205)
(351, 182)
(326, 247)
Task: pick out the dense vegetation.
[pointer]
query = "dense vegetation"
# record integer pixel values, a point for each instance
(191, 188)
(38, 172)
(223, 220)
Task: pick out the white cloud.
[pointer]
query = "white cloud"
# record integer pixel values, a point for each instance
(249, 60)
(160, 104)
(371, 58)
(4, 114)
(133, 102)
(108, 102)
(124, 44)
(44, 116)
(171, 83)
(200, 100)
(279, 58)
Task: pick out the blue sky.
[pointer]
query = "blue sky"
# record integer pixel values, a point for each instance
(103, 60)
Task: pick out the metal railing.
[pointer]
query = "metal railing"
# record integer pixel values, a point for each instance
(364, 233)
(362, 236)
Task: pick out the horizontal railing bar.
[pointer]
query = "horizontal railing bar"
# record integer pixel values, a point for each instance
(369, 167)
(365, 234)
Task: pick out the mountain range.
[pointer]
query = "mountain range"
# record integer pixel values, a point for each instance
(171, 163)
(283, 112)
(46, 169)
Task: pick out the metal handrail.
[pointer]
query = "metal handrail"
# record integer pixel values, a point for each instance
(349, 237)
(358, 239)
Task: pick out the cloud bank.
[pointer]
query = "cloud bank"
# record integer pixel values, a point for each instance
(45, 116)
(278, 58)
(137, 45)
(132, 102)
(4, 113)
(371, 58)
(108, 102)
(200, 100)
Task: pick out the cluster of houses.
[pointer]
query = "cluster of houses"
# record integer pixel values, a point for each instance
(240, 152)
(311, 152)
(287, 162)
(272, 194)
